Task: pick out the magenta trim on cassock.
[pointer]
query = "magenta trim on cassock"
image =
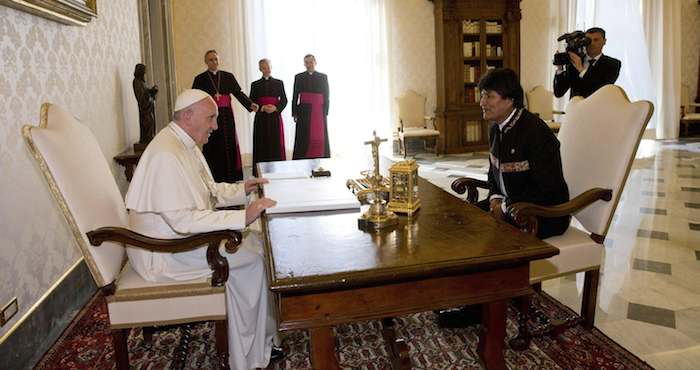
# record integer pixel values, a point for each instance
(224, 101)
(263, 100)
(317, 130)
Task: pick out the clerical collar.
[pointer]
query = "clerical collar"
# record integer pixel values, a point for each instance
(213, 72)
(502, 124)
(182, 135)
(267, 78)
(310, 73)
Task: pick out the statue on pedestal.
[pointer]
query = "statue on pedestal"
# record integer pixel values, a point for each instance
(146, 99)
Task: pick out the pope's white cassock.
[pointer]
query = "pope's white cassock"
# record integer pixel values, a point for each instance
(172, 195)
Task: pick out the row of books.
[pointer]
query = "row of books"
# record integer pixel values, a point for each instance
(472, 27)
(494, 51)
(471, 49)
(472, 94)
(493, 27)
(472, 131)
(471, 74)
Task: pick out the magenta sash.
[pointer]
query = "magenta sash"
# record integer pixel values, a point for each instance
(224, 101)
(263, 100)
(317, 130)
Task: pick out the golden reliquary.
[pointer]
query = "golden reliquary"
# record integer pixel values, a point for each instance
(403, 195)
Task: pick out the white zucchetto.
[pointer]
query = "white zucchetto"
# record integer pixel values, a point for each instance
(189, 97)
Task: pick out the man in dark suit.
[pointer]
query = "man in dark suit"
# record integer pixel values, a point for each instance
(585, 76)
(525, 166)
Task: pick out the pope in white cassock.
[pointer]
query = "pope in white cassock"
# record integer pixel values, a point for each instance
(172, 195)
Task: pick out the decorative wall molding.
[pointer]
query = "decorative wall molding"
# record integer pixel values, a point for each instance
(71, 12)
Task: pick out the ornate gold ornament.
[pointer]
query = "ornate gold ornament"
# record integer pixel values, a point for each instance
(403, 179)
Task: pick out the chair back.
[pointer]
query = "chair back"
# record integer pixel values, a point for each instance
(540, 101)
(412, 109)
(82, 184)
(598, 146)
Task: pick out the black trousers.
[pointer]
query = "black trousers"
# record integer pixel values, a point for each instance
(546, 227)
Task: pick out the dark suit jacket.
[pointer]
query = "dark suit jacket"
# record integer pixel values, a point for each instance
(604, 72)
(529, 161)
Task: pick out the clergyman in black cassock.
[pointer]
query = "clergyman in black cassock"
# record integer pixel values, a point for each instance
(268, 128)
(310, 110)
(222, 152)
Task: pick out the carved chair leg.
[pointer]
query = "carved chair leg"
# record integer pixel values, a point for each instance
(121, 351)
(397, 348)
(148, 332)
(590, 293)
(221, 332)
(537, 287)
(522, 341)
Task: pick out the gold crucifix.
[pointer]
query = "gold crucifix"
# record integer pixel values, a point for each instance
(375, 155)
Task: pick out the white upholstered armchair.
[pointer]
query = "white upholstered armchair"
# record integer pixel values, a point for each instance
(82, 184)
(540, 102)
(598, 146)
(413, 123)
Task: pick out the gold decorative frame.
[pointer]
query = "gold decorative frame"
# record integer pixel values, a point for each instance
(71, 12)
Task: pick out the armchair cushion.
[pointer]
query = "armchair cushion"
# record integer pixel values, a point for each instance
(137, 302)
(419, 132)
(577, 252)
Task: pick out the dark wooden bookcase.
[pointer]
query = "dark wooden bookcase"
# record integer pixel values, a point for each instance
(471, 37)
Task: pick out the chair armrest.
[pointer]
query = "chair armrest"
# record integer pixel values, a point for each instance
(430, 119)
(217, 262)
(470, 185)
(525, 214)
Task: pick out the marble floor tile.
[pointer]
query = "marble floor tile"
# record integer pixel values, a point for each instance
(643, 338)
(654, 211)
(652, 234)
(651, 315)
(678, 359)
(652, 266)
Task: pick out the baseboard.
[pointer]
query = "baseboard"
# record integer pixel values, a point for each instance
(36, 332)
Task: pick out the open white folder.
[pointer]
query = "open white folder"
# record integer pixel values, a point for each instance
(309, 194)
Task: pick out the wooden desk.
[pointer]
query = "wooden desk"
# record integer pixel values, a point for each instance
(325, 272)
(129, 159)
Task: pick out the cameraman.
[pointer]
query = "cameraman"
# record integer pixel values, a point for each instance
(586, 76)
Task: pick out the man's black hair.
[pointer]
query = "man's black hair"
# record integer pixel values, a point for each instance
(505, 82)
(596, 30)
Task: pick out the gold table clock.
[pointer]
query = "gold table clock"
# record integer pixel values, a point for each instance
(403, 195)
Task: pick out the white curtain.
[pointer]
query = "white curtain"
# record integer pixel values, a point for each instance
(348, 38)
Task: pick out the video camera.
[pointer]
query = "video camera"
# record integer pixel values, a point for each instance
(575, 42)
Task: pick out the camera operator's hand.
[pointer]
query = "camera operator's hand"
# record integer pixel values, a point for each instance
(576, 61)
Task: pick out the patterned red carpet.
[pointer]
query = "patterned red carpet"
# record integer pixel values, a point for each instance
(86, 344)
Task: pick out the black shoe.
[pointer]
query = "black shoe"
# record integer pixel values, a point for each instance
(277, 353)
(460, 317)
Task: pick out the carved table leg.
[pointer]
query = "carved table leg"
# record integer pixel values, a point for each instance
(397, 348)
(522, 341)
(323, 349)
(493, 333)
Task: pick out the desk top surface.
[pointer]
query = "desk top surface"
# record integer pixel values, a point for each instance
(317, 251)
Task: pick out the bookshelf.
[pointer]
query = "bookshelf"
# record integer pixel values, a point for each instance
(472, 36)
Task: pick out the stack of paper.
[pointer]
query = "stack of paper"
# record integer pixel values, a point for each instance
(309, 194)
